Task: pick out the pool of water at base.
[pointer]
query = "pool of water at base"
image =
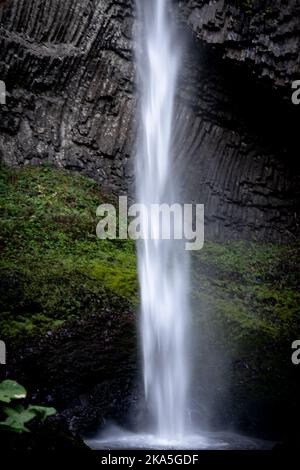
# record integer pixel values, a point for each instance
(115, 438)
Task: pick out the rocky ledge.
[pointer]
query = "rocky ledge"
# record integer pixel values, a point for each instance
(71, 102)
(261, 34)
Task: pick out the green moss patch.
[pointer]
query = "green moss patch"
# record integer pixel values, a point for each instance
(250, 284)
(53, 267)
(247, 300)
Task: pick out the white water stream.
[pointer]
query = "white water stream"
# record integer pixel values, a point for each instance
(161, 263)
(163, 273)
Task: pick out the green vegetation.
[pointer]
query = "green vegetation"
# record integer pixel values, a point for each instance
(250, 285)
(247, 301)
(18, 415)
(11, 390)
(53, 266)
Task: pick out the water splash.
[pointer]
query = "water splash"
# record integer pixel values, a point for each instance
(161, 263)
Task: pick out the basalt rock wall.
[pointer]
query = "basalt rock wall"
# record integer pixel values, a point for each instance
(71, 101)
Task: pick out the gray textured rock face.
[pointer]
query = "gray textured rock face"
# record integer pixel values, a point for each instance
(71, 101)
(239, 152)
(262, 34)
(68, 68)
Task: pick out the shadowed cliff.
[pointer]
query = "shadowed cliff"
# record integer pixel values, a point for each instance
(71, 101)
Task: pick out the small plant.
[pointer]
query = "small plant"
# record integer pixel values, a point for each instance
(18, 415)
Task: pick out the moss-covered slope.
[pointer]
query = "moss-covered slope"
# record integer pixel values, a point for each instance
(53, 266)
(246, 297)
(250, 287)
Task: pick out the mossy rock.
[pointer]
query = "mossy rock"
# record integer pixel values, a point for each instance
(53, 266)
(54, 270)
(246, 303)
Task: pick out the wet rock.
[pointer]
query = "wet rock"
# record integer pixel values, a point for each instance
(89, 376)
(264, 35)
(72, 102)
(49, 436)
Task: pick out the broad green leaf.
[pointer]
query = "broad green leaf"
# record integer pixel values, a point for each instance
(18, 416)
(11, 390)
(42, 412)
(16, 419)
(11, 425)
(12, 411)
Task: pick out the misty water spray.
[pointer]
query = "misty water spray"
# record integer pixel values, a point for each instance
(161, 263)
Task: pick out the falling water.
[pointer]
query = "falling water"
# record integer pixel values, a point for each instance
(162, 263)
(162, 274)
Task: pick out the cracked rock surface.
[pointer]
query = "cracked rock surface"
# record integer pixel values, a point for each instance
(71, 101)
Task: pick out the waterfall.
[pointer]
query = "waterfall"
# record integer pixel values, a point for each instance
(161, 263)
